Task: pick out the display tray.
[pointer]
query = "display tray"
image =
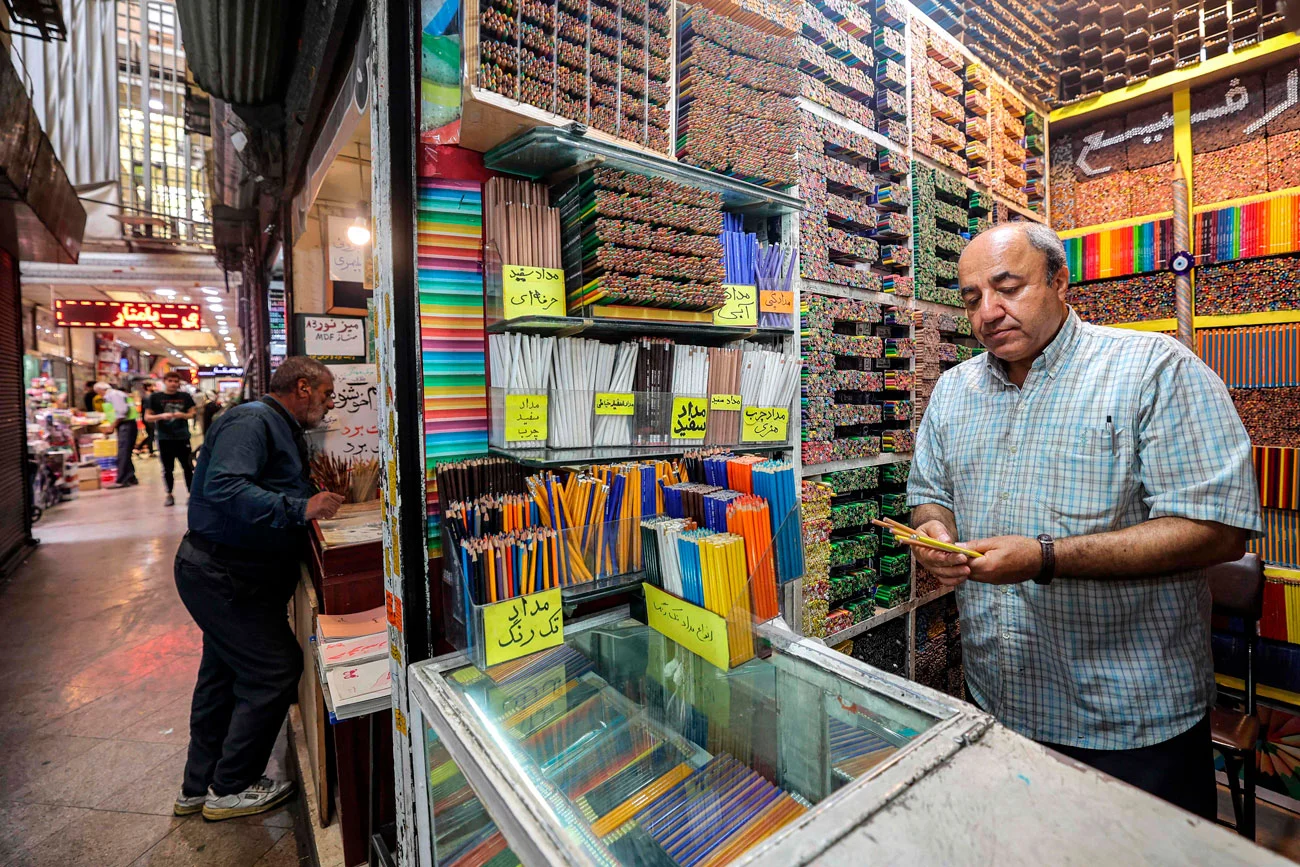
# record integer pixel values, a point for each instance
(544, 151)
(625, 329)
(543, 458)
(629, 749)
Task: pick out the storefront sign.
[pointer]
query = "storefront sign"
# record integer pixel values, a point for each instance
(351, 429)
(526, 418)
(128, 314)
(333, 338)
(725, 402)
(615, 403)
(765, 424)
(220, 370)
(690, 415)
(741, 307)
(530, 291)
(518, 627)
(699, 631)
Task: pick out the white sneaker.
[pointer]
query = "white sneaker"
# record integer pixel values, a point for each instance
(188, 805)
(265, 794)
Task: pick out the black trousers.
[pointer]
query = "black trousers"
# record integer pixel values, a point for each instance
(126, 431)
(248, 675)
(147, 443)
(175, 450)
(1179, 770)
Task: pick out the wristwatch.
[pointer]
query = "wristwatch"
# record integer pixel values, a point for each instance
(1048, 570)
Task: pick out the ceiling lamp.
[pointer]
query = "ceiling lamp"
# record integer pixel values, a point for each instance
(359, 233)
(165, 293)
(208, 290)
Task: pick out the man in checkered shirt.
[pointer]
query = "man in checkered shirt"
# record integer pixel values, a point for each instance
(1099, 471)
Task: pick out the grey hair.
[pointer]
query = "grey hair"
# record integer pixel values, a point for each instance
(296, 367)
(1046, 241)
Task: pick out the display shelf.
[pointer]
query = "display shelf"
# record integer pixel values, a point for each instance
(619, 329)
(1238, 61)
(544, 151)
(544, 458)
(822, 111)
(855, 463)
(885, 616)
(1263, 690)
(885, 298)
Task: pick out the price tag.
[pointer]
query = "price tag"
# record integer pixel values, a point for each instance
(690, 415)
(526, 418)
(699, 631)
(741, 307)
(776, 301)
(615, 402)
(725, 402)
(765, 424)
(530, 291)
(518, 627)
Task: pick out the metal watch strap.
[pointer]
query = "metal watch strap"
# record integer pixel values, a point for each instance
(1048, 570)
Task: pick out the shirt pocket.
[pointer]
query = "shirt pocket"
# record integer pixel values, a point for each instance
(1084, 469)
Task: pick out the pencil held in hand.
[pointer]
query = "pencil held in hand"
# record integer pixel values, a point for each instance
(908, 536)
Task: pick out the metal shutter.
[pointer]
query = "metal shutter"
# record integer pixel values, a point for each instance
(15, 516)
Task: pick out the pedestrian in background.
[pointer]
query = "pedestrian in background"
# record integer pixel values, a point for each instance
(120, 412)
(170, 410)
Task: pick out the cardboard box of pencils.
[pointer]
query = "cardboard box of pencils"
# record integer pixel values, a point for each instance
(486, 580)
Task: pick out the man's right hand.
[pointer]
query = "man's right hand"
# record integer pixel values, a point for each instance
(324, 505)
(950, 569)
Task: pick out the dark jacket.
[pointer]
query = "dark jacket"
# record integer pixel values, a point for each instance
(251, 484)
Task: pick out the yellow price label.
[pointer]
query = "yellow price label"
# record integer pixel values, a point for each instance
(765, 424)
(530, 291)
(699, 631)
(776, 301)
(615, 402)
(524, 625)
(725, 402)
(526, 418)
(741, 307)
(690, 415)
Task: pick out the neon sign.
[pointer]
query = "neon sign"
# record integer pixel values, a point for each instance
(128, 314)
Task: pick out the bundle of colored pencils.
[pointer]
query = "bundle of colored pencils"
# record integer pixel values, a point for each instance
(915, 539)
(749, 518)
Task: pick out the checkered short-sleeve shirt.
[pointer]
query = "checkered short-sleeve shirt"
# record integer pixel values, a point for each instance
(1105, 664)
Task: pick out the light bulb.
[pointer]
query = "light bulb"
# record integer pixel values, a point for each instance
(359, 233)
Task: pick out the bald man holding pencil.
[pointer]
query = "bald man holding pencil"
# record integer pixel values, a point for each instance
(1098, 471)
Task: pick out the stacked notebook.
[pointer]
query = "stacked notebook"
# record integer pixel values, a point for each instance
(353, 650)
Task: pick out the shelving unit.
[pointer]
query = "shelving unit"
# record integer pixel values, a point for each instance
(884, 617)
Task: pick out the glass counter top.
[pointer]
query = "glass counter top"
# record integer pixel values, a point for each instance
(645, 754)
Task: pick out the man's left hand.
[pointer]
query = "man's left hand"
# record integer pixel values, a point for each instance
(1006, 560)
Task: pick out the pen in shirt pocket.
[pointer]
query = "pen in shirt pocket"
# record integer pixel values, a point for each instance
(1111, 433)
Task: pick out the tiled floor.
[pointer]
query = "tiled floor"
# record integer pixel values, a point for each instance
(101, 658)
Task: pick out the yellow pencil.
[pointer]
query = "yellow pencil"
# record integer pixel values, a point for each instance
(920, 541)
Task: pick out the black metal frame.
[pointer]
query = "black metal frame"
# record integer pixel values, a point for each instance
(404, 70)
(1245, 761)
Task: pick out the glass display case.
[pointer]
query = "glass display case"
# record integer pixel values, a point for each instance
(621, 747)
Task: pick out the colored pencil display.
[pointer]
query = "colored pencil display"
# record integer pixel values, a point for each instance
(836, 60)
(1269, 414)
(450, 225)
(834, 239)
(1281, 539)
(1278, 470)
(631, 240)
(1263, 228)
(736, 89)
(1129, 299)
(1253, 357)
(520, 224)
(1249, 286)
(601, 63)
(1120, 252)
(938, 201)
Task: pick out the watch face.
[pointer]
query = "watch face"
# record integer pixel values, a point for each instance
(1043, 537)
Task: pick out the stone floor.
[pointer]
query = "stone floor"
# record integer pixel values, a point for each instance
(101, 659)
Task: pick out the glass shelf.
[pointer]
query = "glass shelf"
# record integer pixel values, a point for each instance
(626, 329)
(601, 737)
(543, 151)
(543, 458)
